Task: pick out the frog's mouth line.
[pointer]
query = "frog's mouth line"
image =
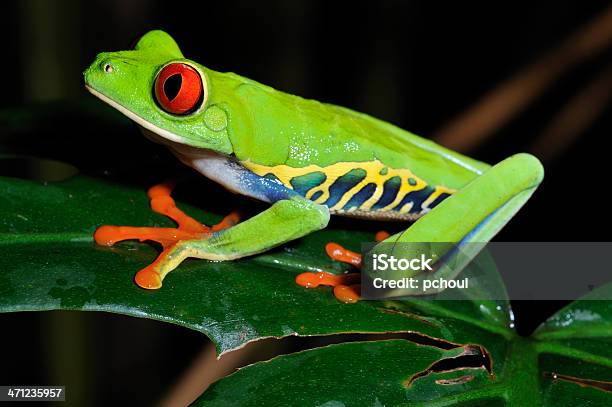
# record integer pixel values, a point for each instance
(156, 134)
(162, 133)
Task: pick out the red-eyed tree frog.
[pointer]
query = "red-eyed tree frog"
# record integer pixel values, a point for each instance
(308, 159)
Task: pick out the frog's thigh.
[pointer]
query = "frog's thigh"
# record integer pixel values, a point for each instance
(284, 221)
(479, 210)
(474, 214)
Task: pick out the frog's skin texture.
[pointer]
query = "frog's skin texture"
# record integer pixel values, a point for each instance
(308, 159)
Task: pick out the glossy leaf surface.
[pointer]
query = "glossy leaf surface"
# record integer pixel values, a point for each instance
(49, 261)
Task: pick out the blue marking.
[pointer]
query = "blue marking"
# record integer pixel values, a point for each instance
(417, 198)
(343, 184)
(360, 197)
(439, 199)
(316, 195)
(304, 183)
(267, 188)
(477, 228)
(390, 189)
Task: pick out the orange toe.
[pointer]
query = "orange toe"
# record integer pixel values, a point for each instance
(348, 294)
(381, 235)
(312, 280)
(160, 190)
(339, 253)
(346, 286)
(106, 235)
(148, 278)
(188, 229)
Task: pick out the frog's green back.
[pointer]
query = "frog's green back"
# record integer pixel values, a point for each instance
(290, 131)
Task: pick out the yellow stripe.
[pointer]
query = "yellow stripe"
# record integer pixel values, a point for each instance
(406, 208)
(435, 194)
(404, 189)
(286, 173)
(349, 194)
(367, 205)
(324, 188)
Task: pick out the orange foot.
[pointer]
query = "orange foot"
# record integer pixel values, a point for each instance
(346, 287)
(188, 229)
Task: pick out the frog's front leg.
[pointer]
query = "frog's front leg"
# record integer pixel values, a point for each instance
(289, 217)
(285, 220)
(161, 202)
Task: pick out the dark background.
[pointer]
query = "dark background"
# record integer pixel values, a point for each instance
(418, 64)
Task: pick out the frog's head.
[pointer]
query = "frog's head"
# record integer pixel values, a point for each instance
(163, 92)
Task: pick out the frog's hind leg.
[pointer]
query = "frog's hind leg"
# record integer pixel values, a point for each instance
(188, 229)
(474, 214)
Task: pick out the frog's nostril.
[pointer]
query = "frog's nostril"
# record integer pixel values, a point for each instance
(108, 68)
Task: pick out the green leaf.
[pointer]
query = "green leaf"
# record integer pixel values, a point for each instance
(575, 344)
(454, 351)
(49, 261)
(563, 370)
(382, 373)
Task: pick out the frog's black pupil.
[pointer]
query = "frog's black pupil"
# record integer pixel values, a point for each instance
(172, 86)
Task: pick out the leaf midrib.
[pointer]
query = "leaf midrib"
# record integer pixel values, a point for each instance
(58, 237)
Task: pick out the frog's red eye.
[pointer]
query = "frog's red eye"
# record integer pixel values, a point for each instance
(178, 88)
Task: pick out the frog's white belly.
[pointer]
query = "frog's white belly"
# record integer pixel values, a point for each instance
(220, 169)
